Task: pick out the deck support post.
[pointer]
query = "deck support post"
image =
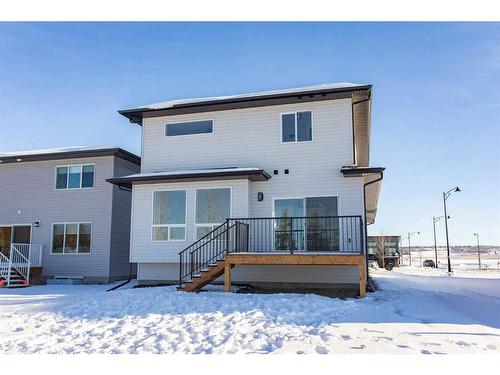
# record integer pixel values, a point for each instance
(227, 277)
(362, 280)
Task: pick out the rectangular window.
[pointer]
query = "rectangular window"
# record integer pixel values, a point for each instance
(296, 127)
(71, 238)
(213, 207)
(189, 128)
(169, 215)
(75, 177)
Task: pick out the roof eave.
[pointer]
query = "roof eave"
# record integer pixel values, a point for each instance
(135, 115)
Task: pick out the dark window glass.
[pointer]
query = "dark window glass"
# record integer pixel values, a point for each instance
(62, 178)
(186, 128)
(22, 234)
(58, 238)
(304, 126)
(84, 238)
(288, 127)
(70, 241)
(75, 172)
(88, 176)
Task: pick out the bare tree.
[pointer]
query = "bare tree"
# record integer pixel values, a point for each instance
(380, 248)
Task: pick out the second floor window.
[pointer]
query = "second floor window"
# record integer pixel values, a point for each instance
(296, 127)
(189, 128)
(75, 176)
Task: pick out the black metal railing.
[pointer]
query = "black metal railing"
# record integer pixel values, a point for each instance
(341, 234)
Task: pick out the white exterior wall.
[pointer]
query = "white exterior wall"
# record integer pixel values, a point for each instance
(144, 249)
(248, 138)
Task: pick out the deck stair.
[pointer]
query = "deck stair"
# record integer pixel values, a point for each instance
(204, 261)
(15, 269)
(205, 277)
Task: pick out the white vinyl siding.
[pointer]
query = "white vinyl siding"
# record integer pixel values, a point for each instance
(250, 138)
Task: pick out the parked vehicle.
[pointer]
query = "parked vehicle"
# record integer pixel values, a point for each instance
(429, 263)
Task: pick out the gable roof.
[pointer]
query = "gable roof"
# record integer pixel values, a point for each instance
(325, 91)
(67, 153)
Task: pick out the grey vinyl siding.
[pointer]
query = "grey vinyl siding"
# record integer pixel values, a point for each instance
(120, 222)
(29, 187)
(251, 138)
(28, 194)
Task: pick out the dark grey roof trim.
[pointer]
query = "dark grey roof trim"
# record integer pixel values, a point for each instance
(360, 171)
(75, 154)
(136, 115)
(256, 175)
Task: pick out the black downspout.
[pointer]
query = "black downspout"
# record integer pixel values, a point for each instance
(366, 223)
(125, 282)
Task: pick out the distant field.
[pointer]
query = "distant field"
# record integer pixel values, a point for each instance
(489, 262)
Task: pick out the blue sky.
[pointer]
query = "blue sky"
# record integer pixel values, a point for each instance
(436, 101)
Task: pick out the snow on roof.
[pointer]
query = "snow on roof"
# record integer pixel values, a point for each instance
(53, 150)
(192, 171)
(325, 86)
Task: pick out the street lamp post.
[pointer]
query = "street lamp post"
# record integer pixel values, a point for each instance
(478, 252)
(434, 221)
(445, 197)
(409, 244)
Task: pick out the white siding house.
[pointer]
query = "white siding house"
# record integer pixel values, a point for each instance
(303, 143)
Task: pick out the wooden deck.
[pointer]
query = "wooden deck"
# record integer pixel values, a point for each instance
(357, 260)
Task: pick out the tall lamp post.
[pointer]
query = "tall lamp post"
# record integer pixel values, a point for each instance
(445, 197)
(409, 244)
(434, 221)
(478, 252)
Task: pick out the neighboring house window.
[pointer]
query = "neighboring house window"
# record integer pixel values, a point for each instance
(75, 177)
(71, 238)
(189, 128)
(169, 215)
(296, 127)
(213, 207)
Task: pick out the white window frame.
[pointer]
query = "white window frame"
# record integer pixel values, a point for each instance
(168, 226)
(77, 238)
(187, 122)
(212, 225)
(296, 132)
(67, 177)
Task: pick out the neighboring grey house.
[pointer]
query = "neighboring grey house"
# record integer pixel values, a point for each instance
(58, 211)
(275, 183)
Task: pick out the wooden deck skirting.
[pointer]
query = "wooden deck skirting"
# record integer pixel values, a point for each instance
(293, 259)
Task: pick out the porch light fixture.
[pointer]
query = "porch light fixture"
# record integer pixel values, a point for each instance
(260, 196)
(445, 197)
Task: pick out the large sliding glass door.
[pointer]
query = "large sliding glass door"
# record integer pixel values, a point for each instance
(306, 224)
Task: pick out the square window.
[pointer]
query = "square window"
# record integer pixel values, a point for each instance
(160, 233)
(177, 233)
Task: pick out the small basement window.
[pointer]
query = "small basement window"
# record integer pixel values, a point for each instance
(189, 128)
(296, 127)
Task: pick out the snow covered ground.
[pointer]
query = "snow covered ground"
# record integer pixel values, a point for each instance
(415, 311)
